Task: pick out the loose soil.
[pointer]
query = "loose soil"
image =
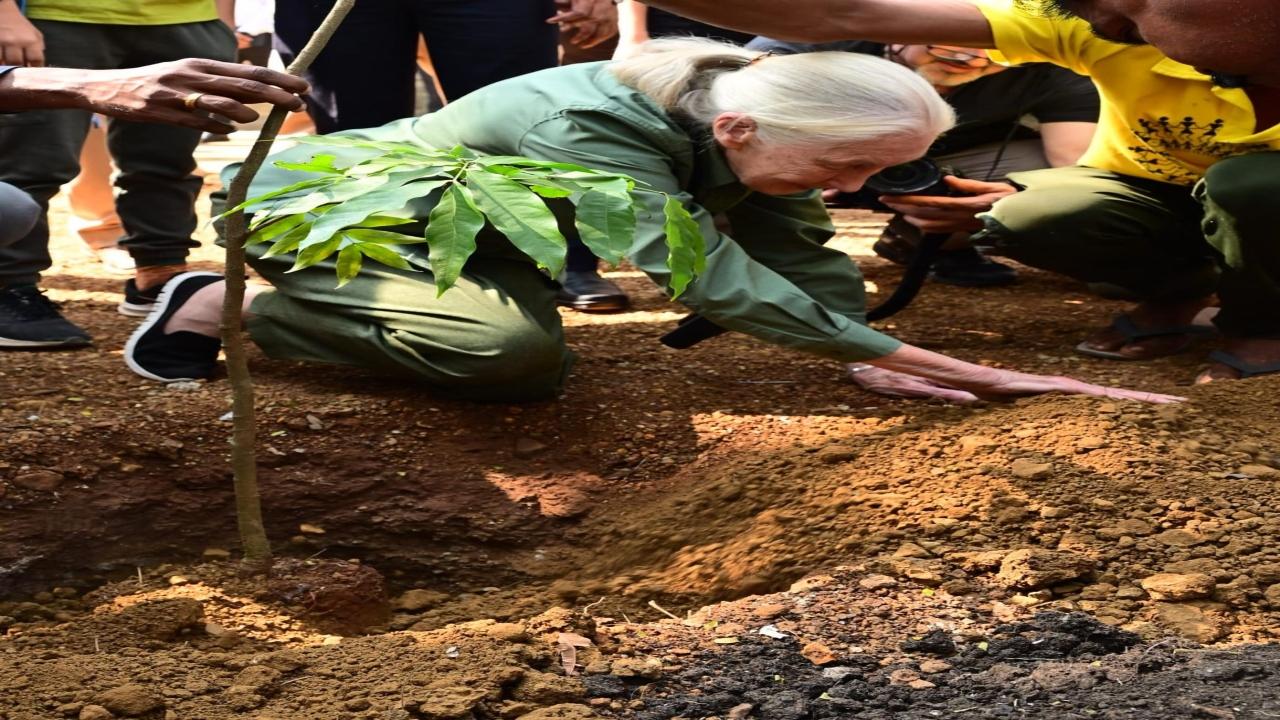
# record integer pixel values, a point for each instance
(1064, 557)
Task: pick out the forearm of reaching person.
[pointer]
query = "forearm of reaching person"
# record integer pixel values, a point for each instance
(910, 371)
(954, 22)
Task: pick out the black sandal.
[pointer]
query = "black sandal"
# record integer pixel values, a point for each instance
(1125, 325)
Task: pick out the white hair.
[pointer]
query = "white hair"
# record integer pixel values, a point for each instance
(819, 99)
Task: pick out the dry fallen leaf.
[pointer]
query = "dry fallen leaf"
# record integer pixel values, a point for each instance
(569, 644)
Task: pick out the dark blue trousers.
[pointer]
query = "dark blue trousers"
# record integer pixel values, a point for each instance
(365, 76)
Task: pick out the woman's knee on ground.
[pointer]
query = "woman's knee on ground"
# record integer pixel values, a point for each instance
(501, 363)
(19, 213)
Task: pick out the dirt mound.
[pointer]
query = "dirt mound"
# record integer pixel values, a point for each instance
(1097, 496)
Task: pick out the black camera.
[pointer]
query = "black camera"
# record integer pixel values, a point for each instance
(918, 177)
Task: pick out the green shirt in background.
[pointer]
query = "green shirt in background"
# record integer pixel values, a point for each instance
(123, 12)
(773, 278)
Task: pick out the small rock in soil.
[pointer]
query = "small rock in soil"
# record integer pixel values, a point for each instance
(644, 668)
(528, 447)
(1178, 586)
(1031, 569)
(1189, 622)
(565, 711)
(1030, 469)
(95, 712)
(130, 700)
(934, 642)
(415, 600)
(818, 654)
(877, 582)
(786, 705)
(1179, 538)
(40, 480)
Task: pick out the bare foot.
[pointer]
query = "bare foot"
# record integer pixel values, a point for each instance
(1253, 351)
(1152, 315)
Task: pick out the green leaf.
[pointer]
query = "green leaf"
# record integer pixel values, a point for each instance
(286, 190)
(382, 237)
(386, 146)
(519, 161)
(275, 228)
(386, 221)
(397, 192)
(318, 163)
(288, 243)
(316, 253)
(386, 256)
(616, 186)
(505, 170)
(451, 235)
(609, 180)
(349, 261)
(520, 215)
(606, 224)
(547, 191)
(338, 192)
(686, 249)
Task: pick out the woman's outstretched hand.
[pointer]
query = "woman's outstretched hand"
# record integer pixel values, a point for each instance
(991, 384)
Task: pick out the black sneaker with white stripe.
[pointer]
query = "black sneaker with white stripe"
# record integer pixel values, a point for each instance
(31, 321)
(138, 303)
(173, 357)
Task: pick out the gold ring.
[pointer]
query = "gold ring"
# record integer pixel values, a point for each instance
(191, 100)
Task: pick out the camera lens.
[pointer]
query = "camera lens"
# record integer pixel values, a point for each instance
(909, 178)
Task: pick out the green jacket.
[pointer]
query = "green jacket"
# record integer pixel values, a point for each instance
(772, 279)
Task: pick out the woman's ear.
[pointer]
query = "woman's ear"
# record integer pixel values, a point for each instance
(733, 130)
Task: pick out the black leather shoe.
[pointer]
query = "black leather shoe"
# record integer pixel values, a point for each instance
(969, 268)
(585, 290)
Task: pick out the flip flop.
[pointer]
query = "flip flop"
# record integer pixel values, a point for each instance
(1125, 325)
(1246, 370)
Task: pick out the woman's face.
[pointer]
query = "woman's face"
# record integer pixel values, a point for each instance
(785, 169)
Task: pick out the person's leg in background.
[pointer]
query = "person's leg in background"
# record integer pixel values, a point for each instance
(19, 212)
(41, 151)
(513, 36)
(364, 78)
(581, 286)
(1240, 221)
(1098, 226)
(157, 187)
(93, 203)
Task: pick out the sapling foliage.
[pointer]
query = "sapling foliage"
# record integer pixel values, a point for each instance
(359, 209)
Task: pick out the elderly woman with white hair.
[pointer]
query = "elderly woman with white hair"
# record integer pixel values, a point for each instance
(742, 140)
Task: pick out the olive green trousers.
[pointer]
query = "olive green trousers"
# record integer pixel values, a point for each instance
(495, 336)
(1160, 241)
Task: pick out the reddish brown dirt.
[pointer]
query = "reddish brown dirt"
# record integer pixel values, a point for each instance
(723, 471)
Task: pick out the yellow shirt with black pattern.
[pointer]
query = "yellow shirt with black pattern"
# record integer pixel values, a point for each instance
(123, 12)
(1160, 119)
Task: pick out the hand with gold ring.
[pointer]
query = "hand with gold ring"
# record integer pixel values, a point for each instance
(163, 93)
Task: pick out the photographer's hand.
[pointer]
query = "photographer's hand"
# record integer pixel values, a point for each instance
(946, 214)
